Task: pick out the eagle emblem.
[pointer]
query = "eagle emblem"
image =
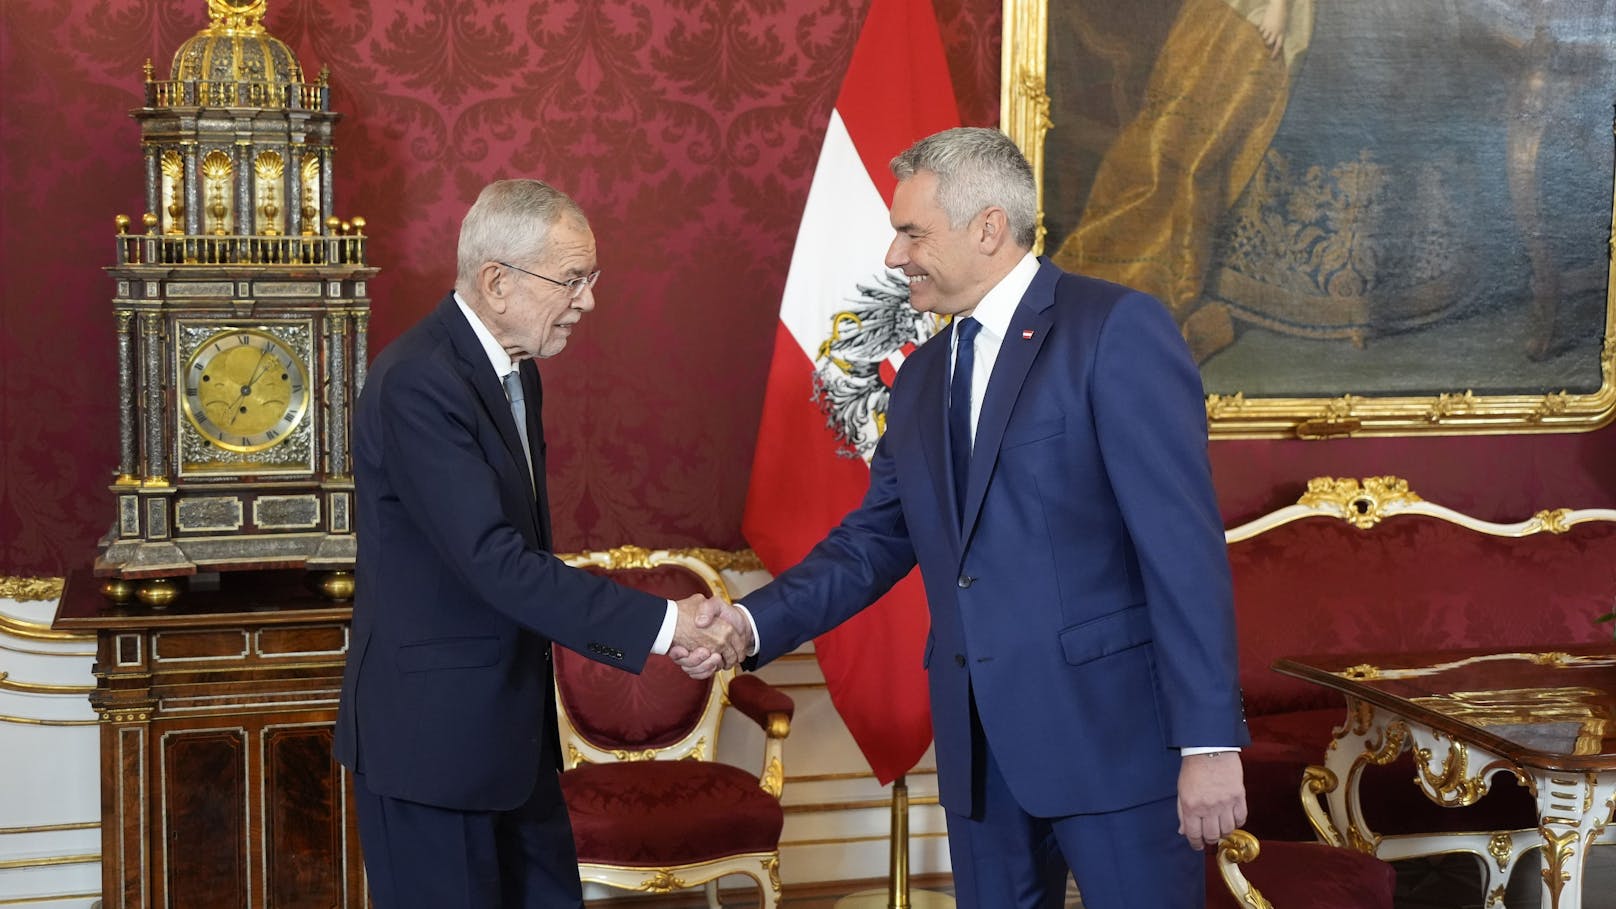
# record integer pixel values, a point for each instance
(856, 365)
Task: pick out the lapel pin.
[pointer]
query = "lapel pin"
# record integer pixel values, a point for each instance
(1026, 334)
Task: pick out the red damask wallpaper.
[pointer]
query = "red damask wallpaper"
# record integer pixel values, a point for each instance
(688, 131)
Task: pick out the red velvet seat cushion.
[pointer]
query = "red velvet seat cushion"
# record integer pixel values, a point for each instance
(659, 813)
(1308, 876)
(1283, 744)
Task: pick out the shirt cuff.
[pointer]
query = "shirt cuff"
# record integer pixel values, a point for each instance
(1204, 749)
(664, 638)
(752, 627)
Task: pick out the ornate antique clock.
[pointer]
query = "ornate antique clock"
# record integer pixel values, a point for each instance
(241, 317)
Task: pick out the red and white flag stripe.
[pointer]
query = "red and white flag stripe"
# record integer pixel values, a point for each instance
(896, 91)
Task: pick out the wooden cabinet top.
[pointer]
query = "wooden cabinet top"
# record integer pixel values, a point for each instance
(239, 599)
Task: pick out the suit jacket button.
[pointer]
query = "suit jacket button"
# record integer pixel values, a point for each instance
(965, 581)
(959, 660)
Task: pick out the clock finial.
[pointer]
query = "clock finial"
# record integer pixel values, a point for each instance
(239, 15)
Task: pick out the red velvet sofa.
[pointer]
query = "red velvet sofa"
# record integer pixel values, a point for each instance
(1369, 566)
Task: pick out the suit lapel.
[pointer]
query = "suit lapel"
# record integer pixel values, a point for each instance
(1029, 328)
(480, 375)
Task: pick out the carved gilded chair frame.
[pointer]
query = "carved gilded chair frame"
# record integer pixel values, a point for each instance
(1025, 104)
(699, 744)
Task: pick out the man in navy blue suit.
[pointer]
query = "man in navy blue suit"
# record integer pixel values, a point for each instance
(447, 716)
(1045, 464)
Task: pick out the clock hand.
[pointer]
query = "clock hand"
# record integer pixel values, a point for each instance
(258, 370)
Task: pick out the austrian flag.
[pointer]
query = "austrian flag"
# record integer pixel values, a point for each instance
(845, 326)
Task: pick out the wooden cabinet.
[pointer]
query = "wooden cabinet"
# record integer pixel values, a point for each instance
(218, 787)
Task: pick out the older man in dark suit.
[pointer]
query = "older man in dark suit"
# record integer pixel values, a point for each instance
(447, 716)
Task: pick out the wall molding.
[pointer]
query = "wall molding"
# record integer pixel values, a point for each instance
(25, 590)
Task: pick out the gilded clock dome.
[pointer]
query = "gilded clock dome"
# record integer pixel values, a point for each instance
(235, 47)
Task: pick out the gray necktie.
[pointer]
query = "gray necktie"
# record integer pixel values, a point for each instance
(513, 390)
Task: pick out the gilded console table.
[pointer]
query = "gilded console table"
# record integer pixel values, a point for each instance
(1549, 718)
(218, 787)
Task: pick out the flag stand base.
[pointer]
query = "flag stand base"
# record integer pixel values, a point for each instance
(898, 895)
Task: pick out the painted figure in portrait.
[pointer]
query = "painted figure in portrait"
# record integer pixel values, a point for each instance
(1371, 196)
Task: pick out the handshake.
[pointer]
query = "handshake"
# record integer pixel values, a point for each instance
(709, 635)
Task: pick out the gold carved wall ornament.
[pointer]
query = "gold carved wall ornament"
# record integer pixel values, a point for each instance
(24, 590)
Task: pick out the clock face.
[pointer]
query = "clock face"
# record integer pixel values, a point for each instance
(246, 390)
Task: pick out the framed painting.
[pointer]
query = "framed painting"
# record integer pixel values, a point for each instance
(1368, 218)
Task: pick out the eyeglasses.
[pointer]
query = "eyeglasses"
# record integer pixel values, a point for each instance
(575, 287)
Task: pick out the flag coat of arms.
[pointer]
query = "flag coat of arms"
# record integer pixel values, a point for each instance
(845, 326)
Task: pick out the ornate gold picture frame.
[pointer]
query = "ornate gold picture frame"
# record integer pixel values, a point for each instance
(1366, 222)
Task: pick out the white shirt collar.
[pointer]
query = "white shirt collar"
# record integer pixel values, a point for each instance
(999, 305)
(501, 361)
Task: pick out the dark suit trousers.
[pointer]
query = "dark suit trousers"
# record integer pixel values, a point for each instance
(1005, 858)
(422, 857)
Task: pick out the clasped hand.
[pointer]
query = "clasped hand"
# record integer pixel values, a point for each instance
(708, 635)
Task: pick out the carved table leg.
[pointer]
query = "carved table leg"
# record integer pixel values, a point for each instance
(1367, 737)
(1455, 774)
(1573, 811)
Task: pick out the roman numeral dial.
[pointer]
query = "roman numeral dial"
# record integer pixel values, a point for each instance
(245, 390)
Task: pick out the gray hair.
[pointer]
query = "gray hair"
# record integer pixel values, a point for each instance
(510, 220)
(976, 168)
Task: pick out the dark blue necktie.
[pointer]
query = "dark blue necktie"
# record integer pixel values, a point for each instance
(959, 408)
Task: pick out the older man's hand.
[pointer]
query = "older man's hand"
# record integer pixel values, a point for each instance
(710, 635)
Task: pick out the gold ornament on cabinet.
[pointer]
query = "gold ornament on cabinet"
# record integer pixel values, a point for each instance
(242, 313)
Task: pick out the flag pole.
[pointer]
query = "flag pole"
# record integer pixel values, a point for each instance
(898, 895)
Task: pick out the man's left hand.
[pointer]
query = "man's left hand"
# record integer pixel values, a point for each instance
(1211, 797)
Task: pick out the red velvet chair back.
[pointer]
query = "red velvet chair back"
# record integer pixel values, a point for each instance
(661, 709)
(1407, 582)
